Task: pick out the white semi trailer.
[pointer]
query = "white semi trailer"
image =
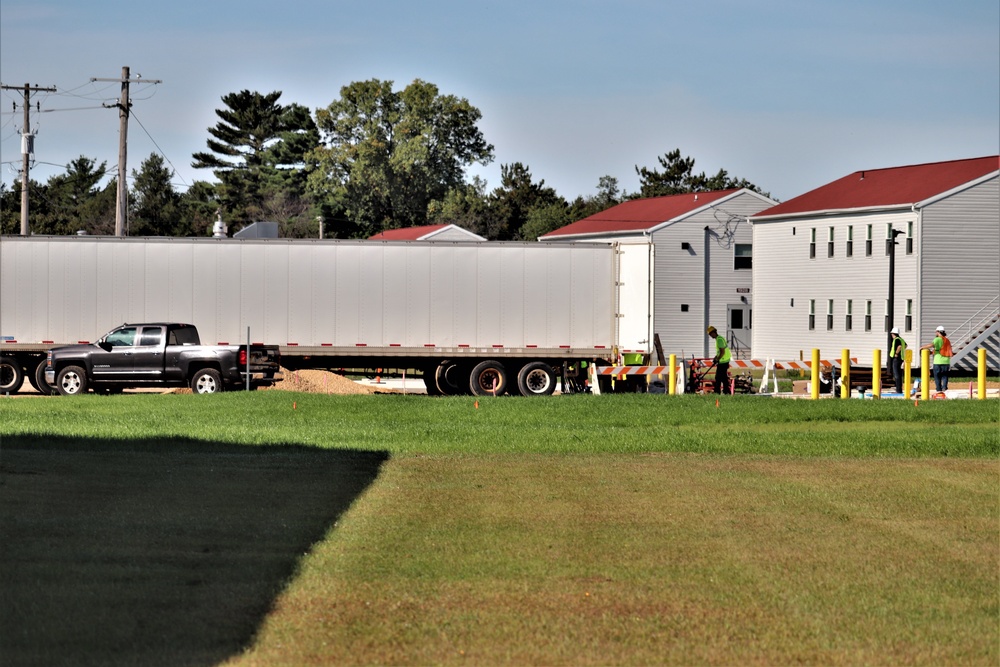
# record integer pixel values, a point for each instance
(478, 317)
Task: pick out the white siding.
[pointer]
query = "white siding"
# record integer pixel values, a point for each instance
(785, 279)
(960, 248)
(679, 273)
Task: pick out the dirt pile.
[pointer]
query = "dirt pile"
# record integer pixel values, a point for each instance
(322, 382)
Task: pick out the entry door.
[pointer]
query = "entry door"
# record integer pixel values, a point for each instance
(739, 318)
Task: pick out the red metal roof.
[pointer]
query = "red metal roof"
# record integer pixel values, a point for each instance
(640, 214)
(888, 188)
(407, 233)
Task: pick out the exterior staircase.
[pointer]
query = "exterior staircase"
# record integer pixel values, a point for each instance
(982, 330)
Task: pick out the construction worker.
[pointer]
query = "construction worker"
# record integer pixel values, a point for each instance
(721, 360)
(942, 359)
(897, 355)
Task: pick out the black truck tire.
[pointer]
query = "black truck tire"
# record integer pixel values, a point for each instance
(448, 377)
(206, 381)
(37, 379)
(536, 379)
(71, 381)
(488, 378)
(11, 375)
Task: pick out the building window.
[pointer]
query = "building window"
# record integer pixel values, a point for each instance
(909, 238)
(909, 315)
(684, 308)
(850, 240)
(829, 244)
(868, 315)
(849, 308)
(888, 238)
(742, 256)
(829, 315)
(885, 320)
(812, 243)
(812, 314)
(868, 241)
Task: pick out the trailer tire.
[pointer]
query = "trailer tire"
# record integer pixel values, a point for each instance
(11, 375)
(37, 379)
(430, 383)
(71, 381)
(488, 378)
(536, 379)
(206, 381)
(448, 378)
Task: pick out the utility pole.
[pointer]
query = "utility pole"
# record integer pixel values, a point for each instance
(123, 105)
(27, 148)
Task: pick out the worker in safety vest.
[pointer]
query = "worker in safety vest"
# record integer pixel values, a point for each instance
(942, 358)
(721, 361)
(897, 355)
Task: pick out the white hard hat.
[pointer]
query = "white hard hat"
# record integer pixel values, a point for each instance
(895, 330)
(939, 329)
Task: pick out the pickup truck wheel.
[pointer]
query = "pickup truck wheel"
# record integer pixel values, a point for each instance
(206, 381)
(71, 381)
(536, 379)
(488, 378)
(11, 375)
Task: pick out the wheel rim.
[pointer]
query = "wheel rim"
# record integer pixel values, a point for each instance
(538, 381)
(71, 383)
(206, 384)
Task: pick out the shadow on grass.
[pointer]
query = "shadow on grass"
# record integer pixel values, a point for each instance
(156, 552)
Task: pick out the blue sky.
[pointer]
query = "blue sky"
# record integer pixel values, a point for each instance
(787, 94)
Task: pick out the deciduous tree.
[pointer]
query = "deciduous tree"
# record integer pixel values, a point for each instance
(387, 154)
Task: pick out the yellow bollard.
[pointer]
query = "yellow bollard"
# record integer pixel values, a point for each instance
(907, 373)
(925, 375)
(814, 394)
(877, 374)
(845, 373)
(981, 359)
(672, 382)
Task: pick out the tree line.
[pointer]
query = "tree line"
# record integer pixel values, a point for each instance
(374, 159)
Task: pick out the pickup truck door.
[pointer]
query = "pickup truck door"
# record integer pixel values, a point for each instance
(147, 361)
(115, 359)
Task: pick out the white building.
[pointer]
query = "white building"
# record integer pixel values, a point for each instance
(428, 233)
(822, 263)
(701, 257)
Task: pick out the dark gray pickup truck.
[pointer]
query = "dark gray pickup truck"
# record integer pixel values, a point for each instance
(159, 354)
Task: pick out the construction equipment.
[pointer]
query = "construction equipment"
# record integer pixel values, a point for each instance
(698, 381)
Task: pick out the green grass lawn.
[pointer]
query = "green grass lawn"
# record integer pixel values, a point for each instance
(574, 530)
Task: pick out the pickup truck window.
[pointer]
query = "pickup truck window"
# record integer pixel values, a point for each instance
(183, 336)
(121, 337)
(151, 336)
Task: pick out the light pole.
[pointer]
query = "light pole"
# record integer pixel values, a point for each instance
(891, 308)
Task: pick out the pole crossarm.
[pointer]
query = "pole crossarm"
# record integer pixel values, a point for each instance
(25, 151)
(121, 211)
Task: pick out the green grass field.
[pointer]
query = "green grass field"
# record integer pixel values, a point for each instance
(288, 529)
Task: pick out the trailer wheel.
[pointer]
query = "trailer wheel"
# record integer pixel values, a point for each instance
(206, 381)
(488, 378)
(448, 378)
(37, 379)
(430, 383)
(11, 375)
(536, 379)
(71, 380)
